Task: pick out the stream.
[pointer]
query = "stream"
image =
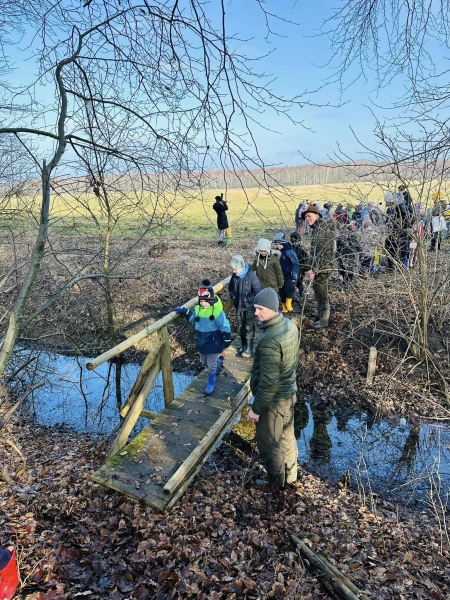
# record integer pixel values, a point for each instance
(401, 461)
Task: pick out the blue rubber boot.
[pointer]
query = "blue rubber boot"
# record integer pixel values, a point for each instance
(211, 384)
(219, 365)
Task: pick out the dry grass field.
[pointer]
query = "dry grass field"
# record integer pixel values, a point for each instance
(251, 211)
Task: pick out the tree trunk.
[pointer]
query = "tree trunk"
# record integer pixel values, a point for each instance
(37, 254)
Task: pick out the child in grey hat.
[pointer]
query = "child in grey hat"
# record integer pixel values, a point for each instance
(266, 265)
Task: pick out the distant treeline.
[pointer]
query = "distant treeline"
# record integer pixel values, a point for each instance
(320, 174)
(300, 175)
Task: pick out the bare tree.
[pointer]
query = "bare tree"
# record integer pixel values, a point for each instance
(165, 74)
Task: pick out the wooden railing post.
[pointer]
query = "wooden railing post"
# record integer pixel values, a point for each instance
(140, 380)
(166, 367)
(135, 410)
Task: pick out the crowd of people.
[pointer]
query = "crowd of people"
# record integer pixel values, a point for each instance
(353, 237)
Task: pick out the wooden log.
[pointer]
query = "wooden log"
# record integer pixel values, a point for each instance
(166, 367)
(151, 357)
(333, 578)
(351, 586)
(140, 335)
(372, 365)
(135, 411)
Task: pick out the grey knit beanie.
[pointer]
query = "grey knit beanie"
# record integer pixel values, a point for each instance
(237, 262)
(268, 298)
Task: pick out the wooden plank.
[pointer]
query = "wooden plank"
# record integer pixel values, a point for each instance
(140, 380)
(195, 456)
(241, 401)
(166, 367)
(140, 335)
(148, 414)
(133, 414)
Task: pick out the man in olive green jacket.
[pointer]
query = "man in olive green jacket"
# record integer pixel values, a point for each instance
(321, 264)
(274, 384)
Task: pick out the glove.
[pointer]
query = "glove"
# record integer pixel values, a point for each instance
(226, 340)
(181, 310)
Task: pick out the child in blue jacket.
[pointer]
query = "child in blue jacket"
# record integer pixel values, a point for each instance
(291, 270)
(212, 330)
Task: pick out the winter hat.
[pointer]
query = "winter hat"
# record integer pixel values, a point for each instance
(217, 198)
(206, 291)
(367, 222)
(318, 205)
(280, 238)
(268, 298)
(294, 237)
(311, 209)
(237, 262)
(328, 205)
(263, 245)
(389, 198)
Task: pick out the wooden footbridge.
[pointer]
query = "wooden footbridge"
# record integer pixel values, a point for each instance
(158, 465)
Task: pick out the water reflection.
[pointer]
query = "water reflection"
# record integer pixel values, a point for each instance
(85, 400)
(379, 453)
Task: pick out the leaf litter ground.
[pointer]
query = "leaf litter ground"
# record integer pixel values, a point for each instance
(224, 540)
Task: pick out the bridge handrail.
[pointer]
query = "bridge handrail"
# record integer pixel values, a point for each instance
(140, 335)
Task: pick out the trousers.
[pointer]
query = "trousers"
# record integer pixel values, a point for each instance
(321, 286)
(246, 324)
(209, 361)
(276, 441)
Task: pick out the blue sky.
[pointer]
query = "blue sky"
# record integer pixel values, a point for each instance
(298, 61)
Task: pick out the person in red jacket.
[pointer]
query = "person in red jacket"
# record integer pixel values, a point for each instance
(9, 574)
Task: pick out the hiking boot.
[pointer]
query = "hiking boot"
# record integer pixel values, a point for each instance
(267, 486)
(241, 349)
(324, 316)
(249, 350)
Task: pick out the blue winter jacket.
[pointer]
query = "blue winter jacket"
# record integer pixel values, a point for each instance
(289, 262)
(212, 329)
(243, 289)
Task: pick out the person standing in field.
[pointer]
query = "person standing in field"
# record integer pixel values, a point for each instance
(273, 383)
(321, 263)
(243, 287)
(266, 265)
(220, 206)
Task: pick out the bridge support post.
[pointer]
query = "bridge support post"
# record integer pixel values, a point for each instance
(166, 367)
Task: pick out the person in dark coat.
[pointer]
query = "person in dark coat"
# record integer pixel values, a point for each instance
(243, 287)
(303, 260)
(220, 206)
(291, 270)
(397, 240)
(348, 251)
